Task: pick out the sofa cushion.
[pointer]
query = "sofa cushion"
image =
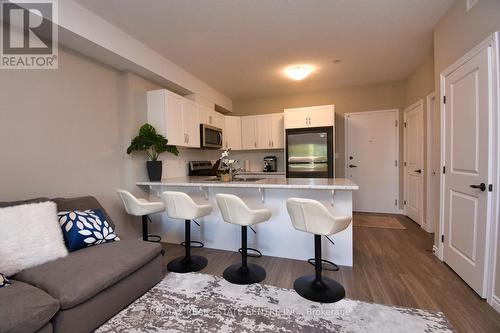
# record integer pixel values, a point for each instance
(24, 308)
(22, 202)
(81, 203)
(85, 228)
(86, 272)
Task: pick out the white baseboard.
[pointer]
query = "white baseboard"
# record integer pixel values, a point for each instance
(495, 303)
(435, 250)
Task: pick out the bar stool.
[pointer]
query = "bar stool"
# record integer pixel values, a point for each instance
(311, 216)
(143, 208)
(179, 205)
(235, 211)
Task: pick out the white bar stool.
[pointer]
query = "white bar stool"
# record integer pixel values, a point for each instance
(179, 205)
(311, 216)
(235, 211)
(143, 208)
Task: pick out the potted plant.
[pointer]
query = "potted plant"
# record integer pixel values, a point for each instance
(227, 167)
(153, 144)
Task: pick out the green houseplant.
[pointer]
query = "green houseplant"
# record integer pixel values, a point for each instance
(153, 144)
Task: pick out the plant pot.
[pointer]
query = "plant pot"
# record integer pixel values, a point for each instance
(154, 170)
(226, 177)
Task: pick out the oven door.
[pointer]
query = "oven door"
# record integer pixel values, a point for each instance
(211, 137)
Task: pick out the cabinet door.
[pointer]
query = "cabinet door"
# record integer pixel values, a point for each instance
(277, 130)
(191, 123)
(320, 116)
(249, 132)
(296, 118)
(174, 133)
(204, 115)
(263, 132)
(218, 120)
(232, 132)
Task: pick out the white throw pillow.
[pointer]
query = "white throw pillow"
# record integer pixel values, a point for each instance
(30, 235)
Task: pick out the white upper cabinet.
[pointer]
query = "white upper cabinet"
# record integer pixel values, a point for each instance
(270, 131)
(232, 132)
(249, 132)
(277, 130)
(218, 120)
(211, 117)
(190, 123)
(312, 116)
(174, 117)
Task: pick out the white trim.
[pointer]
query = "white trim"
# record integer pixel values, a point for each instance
(419, 103)
(495, 303)
(435, 250)
(396, 210)
(493, 215)
(430, 126)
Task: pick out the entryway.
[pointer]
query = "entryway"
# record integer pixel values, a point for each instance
(372, 149)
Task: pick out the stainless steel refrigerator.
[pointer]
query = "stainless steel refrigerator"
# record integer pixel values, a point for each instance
(309, 152)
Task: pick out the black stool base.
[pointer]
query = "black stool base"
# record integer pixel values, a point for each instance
(324, 291)
(186, 265)
(239, 275)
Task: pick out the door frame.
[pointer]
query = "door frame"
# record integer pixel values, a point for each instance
(419, 103)
(430, 224)
(492, 223)
(396, 152)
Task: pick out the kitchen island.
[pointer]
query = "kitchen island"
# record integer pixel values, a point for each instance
(276, 237)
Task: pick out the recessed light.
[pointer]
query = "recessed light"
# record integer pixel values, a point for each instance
(298, 72)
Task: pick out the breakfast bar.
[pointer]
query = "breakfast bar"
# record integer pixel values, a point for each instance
(276, 237)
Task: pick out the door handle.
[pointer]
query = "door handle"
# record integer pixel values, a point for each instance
(418, 171)
(352, 166)
(481, 186)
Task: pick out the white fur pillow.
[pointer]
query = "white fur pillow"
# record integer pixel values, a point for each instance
(30, 236)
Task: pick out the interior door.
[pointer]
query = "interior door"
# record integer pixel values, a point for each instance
(372, 140)
(414, 162)
(467, 162)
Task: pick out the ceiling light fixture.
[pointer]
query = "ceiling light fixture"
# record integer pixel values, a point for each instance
(298, 72)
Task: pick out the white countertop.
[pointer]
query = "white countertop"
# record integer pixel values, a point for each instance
(278, 182)
(281, 173)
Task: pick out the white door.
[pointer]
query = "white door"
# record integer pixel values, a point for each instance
(248, 132)
(432, 170)
(320, 116)
(371, 160)
(296, 118)
(232, 132)
(277, 131)
(175, 132)
(190, 122)
(263, 132)
(466, 158)
(414, 161)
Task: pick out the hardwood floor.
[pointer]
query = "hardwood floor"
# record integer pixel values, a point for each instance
(395, 267)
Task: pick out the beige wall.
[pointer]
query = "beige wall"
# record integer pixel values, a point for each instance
(346, 100)
(64, 133)
(456, 33)
(421, 82)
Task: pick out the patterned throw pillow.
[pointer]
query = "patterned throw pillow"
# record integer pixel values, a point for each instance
(85, 228)
(3, 281)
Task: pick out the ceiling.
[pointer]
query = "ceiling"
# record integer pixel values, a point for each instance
(241, 47)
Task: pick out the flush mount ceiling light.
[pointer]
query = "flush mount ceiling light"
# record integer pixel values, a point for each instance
(298, 72)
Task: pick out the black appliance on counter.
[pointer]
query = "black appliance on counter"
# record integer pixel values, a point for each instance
(309, 152)
(270, 164)
(201, 168)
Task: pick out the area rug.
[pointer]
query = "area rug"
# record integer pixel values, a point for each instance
(377, 221)
(195, 302)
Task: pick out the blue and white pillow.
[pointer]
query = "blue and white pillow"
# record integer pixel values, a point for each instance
(85, 228)
(3, 281)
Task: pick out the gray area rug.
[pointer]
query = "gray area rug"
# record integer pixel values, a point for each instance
(195, 302)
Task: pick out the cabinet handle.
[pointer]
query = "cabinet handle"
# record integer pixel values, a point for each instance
(272, 143)
(188, 137)
(255, 144)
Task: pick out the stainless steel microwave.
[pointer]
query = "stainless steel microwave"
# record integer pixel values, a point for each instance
(210, 137)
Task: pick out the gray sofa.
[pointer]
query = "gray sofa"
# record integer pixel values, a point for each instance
(80, 292)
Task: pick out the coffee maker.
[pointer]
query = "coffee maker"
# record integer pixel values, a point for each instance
(270, 164)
